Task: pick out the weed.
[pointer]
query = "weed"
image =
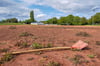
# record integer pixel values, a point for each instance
(97, 42)
(86, 61)
(49, 46)
(84, 34)
(12, 27)
(6, 57)
(52, 63)
(36, 46)
(76, 59)
(25, 34)
(91, 55)
(4, 50)
(86, 41)
(22, 44)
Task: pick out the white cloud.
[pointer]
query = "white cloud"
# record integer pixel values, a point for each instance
(40, 15)
(80, 7)
(11, 8)
(68, 6)
(17, 10)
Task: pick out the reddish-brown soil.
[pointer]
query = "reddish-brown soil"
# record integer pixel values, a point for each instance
(57, 36)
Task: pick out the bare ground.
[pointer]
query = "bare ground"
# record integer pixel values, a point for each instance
(55, 35)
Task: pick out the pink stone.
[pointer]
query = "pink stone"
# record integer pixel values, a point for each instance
(80, 45)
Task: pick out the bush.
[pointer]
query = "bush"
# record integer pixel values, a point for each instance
(22, 44)
(76, 59)
(49, 46)
(36, 46)
(84, 34)
(52, 63)
(6, 57)
(91, 56)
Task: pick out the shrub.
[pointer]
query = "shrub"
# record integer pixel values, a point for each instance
(91, 56)
(52, 63)
(6, 57)
(39, 46)
(76, 59)
(36, 46)
(25, 34)
(84, 34)
(22, 44)
(49, 46)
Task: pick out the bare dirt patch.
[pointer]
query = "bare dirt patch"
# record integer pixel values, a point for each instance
(59, 36)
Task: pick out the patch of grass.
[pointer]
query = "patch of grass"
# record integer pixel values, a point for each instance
(52, 63)
(76, 59)
(86, 41)
(11, 24)
(25, 34)
(6, 57)
(83, 34)
(12, 27)
(49, 46)
(4, 50)
(39, 46)
(36, 46)
(22, 44)
(97, 42)
(91, 55)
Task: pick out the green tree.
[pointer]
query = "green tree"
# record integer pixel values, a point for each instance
(32, 16)
(11, 20)
(54, 19)
(28, 21)
(77, 20)
(62, 21)
(84, 21)
(96, 18)
(70, 19)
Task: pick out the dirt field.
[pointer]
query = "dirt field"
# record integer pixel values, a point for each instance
(58, 36)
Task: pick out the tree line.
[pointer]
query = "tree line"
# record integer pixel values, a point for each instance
(15, 20)
(66, 20)
(74, 20)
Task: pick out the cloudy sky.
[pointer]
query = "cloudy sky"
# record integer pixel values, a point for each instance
(45, 9)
